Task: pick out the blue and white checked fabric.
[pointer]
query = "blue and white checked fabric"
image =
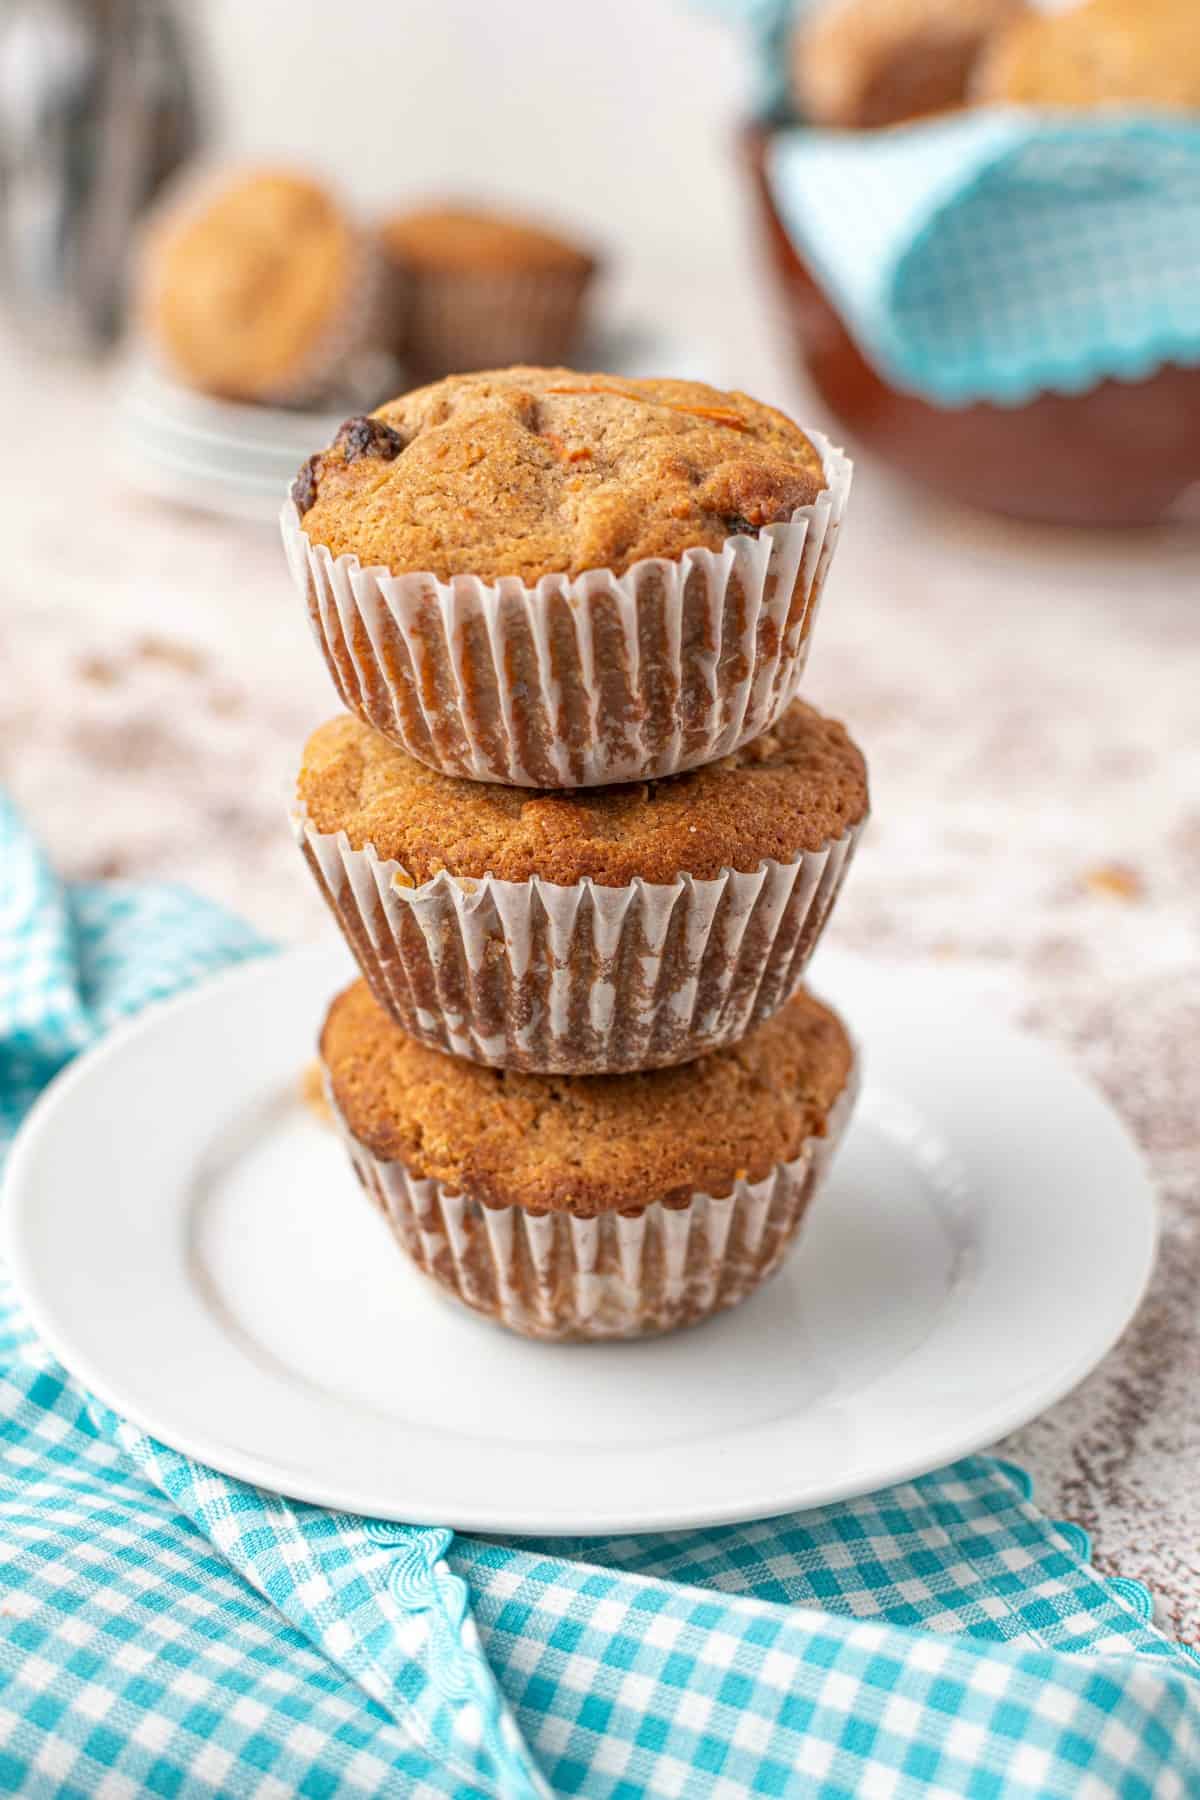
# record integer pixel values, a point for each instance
(998, 253)
(167, 1631)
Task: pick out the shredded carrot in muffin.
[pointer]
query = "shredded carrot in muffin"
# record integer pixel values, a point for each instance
(718, 414)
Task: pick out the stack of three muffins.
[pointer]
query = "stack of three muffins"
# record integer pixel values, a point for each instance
(580, 836)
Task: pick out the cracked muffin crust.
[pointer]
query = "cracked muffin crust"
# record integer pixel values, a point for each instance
(797, 787)
(530, 472)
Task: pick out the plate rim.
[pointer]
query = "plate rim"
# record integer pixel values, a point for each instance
(611, 1520)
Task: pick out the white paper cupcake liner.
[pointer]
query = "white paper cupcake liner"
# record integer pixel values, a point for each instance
(447, 321)
(578, 682)
(354, 329)
(619, 1275)
(578, 979)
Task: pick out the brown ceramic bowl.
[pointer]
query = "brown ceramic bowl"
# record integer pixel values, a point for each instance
(1121, 454)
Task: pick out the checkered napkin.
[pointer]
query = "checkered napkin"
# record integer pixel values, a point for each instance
(999, 253)
(167, 1631)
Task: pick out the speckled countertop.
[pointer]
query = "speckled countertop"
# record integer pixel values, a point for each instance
(1030, 704)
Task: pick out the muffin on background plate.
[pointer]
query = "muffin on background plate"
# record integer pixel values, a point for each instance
(255, 285)
(549, 579)
(592, 1207)
(862, 64)
(589, 931)
(474, 289)
(1097, 54)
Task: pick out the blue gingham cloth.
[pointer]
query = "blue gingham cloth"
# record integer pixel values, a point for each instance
(167, 1631)
(997, 253)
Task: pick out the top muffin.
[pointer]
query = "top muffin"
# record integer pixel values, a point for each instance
(244, 285)
(530, 472)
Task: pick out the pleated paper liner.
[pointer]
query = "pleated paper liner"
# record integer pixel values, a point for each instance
(578, 681)
(578, 979)
(447, 320)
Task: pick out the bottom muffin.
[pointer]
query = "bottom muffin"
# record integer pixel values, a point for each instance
(602, 1206)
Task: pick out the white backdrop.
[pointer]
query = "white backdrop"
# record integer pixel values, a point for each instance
(618, 117)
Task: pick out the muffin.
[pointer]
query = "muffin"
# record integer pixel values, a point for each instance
(256, 286)
(869, 63)
(558, 580)
(586, 932)
(472, 289)
(1101, 53)
(592, 1207)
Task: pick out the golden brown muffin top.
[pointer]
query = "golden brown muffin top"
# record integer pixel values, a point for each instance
(239, 287)
(1101, 53)
(535, 471)
(795, 788)
(586, 1144)
(465, 239)
(869, 63)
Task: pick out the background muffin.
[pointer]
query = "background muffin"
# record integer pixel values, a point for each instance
(552, 579)
(257, 286)
(608, 1206)
(1100, 53)
(474, 289)
(605, 929)
(866, 63)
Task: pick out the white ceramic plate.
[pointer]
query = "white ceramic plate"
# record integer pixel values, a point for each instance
(193, 1245)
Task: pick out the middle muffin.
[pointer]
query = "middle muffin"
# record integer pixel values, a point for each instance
(591, 931)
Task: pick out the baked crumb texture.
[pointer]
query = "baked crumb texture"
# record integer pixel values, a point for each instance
(559, 580)
(604, 1206)
(796, 787)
